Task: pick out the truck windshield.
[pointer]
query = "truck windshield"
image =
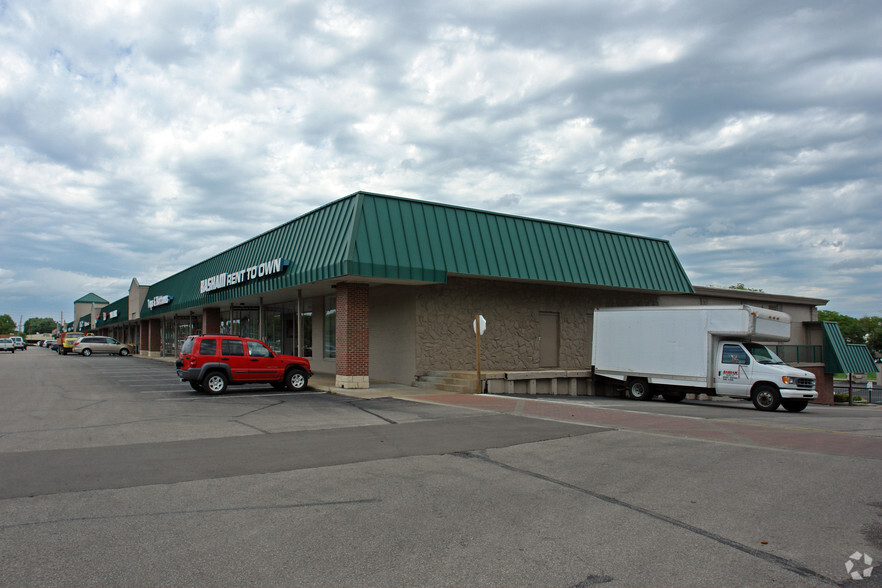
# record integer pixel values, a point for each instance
(763, 354)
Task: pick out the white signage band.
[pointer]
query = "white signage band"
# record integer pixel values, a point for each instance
(227, 279)
(159, 300)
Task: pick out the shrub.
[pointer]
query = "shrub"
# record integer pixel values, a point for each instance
(844, 398)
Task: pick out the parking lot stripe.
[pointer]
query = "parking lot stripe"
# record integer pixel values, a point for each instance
(268, 395)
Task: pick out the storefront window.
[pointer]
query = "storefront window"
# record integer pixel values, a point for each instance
(168, 338)
(176, 330)
(330, 327)
(306, 326)
(243, 321)
(274, 334)
(225, 323)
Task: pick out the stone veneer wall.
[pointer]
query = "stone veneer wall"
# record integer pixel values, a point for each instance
(444, 314)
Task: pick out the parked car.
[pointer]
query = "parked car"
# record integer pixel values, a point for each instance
(90, 344)
(53, 345)
(210, 363)
(19, 343)
(7, 345)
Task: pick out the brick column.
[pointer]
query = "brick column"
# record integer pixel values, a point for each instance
(211, 320)
(154, 339)
(823, 383)
(353, 336)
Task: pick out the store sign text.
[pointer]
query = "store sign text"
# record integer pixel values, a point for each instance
(159, 301)
(227, 279)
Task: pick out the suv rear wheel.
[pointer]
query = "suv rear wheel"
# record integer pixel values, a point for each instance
(215, 383)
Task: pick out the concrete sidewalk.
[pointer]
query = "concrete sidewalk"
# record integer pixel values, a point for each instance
(327, 383)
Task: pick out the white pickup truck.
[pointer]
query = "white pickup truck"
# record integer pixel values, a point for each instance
(713, 350)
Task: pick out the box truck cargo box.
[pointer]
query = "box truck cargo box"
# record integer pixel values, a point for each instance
(714, 350)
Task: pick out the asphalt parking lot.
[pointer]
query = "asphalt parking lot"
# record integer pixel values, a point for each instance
(116, 473)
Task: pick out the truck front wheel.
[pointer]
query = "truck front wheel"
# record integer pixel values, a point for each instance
(794, 405)
(766, 398)
(639, 390)
(674, 396)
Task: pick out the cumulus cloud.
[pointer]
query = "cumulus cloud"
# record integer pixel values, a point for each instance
(141, 137)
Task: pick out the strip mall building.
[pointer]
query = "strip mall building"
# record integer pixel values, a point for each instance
(380, 288)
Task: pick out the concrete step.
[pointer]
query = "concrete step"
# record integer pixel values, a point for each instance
(447, 382)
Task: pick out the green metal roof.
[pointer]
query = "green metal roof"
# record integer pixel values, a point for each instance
(85, 322)
(120, 307)
(90, 298)
(845, 358)
(386, 237)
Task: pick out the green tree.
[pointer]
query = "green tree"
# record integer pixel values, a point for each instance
(39, 325)
(850, 326)
(872, 325)
(740, 286)
(7, 325)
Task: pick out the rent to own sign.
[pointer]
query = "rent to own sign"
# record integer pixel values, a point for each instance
(234, 278)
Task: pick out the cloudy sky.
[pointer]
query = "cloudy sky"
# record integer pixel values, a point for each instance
(140, 137)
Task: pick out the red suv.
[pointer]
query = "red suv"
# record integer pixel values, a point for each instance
(213, 362)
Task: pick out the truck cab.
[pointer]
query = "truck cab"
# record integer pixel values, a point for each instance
(68, 340)
(752, 370)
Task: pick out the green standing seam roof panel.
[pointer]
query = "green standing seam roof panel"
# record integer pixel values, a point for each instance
(845, 358)
(386, 237)
(121, 307)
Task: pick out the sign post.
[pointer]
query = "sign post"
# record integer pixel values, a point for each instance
(480, 325)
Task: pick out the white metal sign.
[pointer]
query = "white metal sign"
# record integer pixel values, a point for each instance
(482, 322)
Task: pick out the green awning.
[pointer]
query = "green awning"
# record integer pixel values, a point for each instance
(845, 358)
(114, 313)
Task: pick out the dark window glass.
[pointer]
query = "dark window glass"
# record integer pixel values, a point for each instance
(208, 347)
(255, 349)
(232, 347)
(735, 354)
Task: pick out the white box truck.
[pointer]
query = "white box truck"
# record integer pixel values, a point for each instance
(675, 350)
